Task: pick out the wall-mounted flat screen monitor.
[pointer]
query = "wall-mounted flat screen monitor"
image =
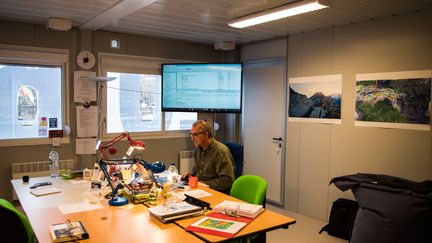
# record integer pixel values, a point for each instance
(202, 87)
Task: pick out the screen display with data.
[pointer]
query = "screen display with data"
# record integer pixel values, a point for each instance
(202, 87)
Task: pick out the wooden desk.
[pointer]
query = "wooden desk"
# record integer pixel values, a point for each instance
(266, 221)
(70, 193)
(129, 223)
(112, 224)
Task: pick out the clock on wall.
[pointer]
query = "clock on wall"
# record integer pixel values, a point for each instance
(86, 60)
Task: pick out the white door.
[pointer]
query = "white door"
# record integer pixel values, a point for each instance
(263, 124)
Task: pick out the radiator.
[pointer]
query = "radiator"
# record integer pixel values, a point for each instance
(186, 161)
(38, 168)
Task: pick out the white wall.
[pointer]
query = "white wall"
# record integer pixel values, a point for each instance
(316, 153)
(264, 50)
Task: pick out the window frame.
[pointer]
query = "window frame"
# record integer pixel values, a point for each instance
(137, 65)
(39, 56)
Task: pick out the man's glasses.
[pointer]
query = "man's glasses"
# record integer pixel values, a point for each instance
(194, 134)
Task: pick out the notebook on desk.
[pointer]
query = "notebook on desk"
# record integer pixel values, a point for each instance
(68, 232)
(44, 191)
(167, 214)
(219, 224)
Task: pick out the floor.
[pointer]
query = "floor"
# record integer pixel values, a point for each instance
(305, 230)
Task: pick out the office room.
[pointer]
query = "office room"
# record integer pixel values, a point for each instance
(297, 156)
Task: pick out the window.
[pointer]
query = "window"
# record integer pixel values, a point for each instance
(180, 120)
(30, 101)
(32, 84)
(133, 104)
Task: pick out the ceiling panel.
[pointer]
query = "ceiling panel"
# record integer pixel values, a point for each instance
(205, 21)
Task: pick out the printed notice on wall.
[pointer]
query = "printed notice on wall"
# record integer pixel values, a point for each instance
(84, 89)
(85, 146)
(87, 119)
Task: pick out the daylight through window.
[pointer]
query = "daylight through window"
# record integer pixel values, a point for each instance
(133, 104)
(30, 100)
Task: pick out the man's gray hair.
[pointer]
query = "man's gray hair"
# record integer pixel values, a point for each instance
(204, 127)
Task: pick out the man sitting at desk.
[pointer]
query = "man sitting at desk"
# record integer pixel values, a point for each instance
(214, 164)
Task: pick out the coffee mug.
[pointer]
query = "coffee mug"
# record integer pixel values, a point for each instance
(193, 181)
(25, 178)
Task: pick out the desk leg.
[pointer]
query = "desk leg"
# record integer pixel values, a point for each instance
(263, 237)
(258, 238)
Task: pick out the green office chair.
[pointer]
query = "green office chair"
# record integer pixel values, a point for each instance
(250, 188)
(17, 226)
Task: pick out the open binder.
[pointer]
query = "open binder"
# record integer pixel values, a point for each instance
(239, 209)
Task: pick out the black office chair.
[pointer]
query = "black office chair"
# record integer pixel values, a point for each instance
(237, 153)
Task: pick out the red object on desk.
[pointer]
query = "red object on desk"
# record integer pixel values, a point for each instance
(193, 181)
(219, 233)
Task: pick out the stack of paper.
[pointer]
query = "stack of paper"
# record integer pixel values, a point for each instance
(170, 213)
(44, 191)
(239, 208)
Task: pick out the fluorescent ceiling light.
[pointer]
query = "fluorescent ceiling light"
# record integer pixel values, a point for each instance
(277, 13)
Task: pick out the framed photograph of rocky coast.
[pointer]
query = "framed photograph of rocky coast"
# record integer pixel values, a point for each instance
(315, 99)
(394, 100)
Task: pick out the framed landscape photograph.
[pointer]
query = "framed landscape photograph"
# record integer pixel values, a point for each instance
(315, 99)
(394, 100)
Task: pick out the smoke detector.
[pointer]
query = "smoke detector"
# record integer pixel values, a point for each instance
(58, 24)
(224, 45)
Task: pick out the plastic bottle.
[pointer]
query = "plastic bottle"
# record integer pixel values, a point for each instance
(54, 163)
(173, 173)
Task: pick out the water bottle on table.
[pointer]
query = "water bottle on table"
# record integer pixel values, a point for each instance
(173, 174)
(54, 163)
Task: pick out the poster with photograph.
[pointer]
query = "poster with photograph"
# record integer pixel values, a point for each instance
(394, 100)
(315, 99)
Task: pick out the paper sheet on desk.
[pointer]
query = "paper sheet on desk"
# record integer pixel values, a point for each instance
(78, 207)
(79, 181)
(197, 193)
(44, 191)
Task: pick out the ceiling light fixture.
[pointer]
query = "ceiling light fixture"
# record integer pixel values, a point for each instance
(277, 13)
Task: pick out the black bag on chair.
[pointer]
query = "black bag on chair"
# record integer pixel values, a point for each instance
(341, 220)
(391, 209)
